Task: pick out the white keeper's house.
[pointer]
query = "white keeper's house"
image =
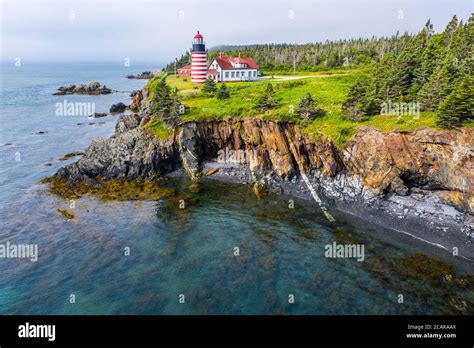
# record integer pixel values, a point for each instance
(223, 69)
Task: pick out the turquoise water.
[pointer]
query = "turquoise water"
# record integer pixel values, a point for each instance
(186, 251)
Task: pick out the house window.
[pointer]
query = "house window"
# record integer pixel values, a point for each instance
(227, 74)
(233, 74)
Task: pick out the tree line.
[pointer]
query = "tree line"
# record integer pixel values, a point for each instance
(306, 57)
(433, 71)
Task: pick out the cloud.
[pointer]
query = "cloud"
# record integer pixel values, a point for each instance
(159, 31)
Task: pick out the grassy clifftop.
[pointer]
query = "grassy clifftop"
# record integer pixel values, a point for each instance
(329, 90)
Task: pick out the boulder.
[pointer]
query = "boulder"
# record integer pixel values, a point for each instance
(118, 108)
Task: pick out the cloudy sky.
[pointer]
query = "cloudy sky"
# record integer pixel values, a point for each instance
(158, 31)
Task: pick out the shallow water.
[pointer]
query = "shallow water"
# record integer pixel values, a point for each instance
(190, 251)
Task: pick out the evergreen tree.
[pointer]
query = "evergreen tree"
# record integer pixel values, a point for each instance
(209, 86)
(222, 92)
(309, 57)
(165, 105)
(433, 92)
(185, 59)
(360, 101)
(173, 118)
(352, 107)
(447, 116)
(421, 68)
(307, 109)
(267, 101)
(458, 106)
(449, 30)
(161, 101)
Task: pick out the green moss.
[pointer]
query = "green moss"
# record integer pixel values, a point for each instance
(108, 190)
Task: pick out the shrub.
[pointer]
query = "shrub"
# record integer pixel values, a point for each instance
(209, 86)
(268, 100)
(223, 92)
(308, 110)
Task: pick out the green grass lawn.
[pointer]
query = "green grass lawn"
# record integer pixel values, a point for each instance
(159, 129)
(329, 90)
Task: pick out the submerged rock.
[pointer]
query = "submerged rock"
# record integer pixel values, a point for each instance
(98, 115)
(67, 214)
(107, 190)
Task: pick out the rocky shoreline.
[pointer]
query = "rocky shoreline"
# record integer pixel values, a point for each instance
(145, 75)
(93, 88)
(420, 183)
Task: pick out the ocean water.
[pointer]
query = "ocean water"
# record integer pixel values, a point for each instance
(190, 251)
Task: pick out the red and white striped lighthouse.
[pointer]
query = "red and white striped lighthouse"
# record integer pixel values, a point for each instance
(198, 59)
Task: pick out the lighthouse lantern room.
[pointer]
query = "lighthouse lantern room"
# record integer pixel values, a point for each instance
(198, 59)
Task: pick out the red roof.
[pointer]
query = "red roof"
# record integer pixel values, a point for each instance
(212, 71)
(186, 67)
(198, 35)
(226, 62)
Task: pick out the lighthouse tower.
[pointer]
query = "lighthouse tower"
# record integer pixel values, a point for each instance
(198, 59)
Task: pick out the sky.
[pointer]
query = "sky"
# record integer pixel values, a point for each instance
(156, 32)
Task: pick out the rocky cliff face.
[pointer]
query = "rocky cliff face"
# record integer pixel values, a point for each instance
(266, 147)
(438, 161)
(130, 153)
(372, 163)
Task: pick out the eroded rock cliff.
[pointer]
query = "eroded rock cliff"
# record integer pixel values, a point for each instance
(438, 161)
(373, 163)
